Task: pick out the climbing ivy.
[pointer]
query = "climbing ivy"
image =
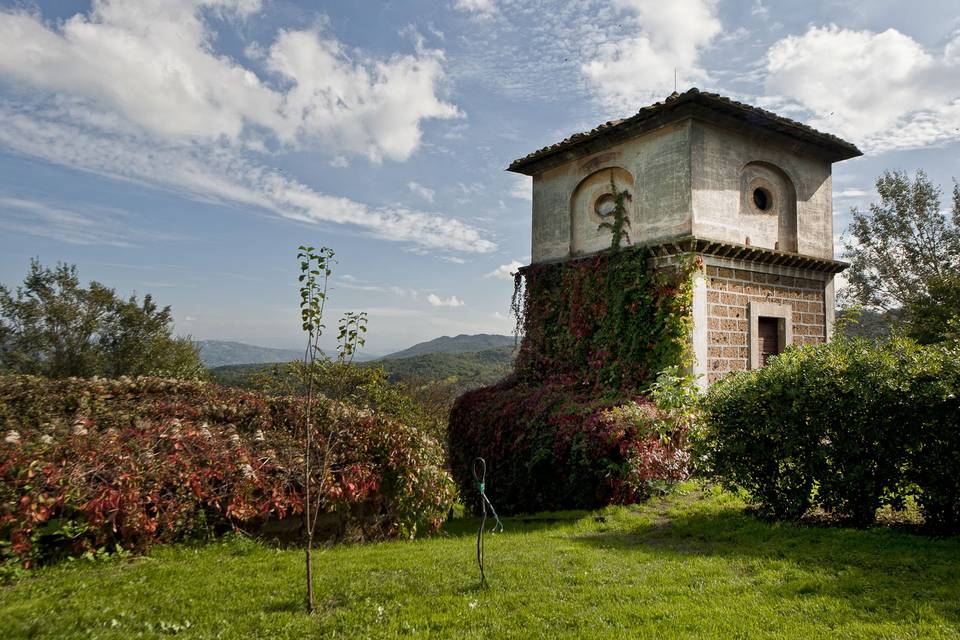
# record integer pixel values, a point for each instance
(570, 427)
(609, 320)
(620, 221)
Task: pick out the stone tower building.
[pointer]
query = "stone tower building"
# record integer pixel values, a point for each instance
(745, 189)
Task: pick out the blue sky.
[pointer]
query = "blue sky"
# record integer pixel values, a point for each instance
(186, 147)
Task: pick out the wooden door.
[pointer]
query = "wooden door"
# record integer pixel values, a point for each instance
(769, 331)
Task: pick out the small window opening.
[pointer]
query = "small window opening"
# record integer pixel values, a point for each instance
(605, 205)
(762, 198)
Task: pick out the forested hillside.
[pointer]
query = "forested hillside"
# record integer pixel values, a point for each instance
(460, 371)
(456, 344)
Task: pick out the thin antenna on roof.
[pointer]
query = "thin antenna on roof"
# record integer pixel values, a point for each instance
(674, 79)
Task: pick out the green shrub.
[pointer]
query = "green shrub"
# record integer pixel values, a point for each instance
(423, 406)
(758, 439)
(848, 427)
(934, 462)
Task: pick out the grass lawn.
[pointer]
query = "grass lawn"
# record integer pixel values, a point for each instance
(691, 565)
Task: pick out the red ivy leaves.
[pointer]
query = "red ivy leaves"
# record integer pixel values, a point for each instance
(549, 446)
(596, 330)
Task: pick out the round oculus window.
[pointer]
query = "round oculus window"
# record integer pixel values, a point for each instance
(605, 205)
(762, 199)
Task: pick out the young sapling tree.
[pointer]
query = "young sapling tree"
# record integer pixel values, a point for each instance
(320, 440)
(314, 280)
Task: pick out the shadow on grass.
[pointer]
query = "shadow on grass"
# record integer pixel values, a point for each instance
(463, 527)
(325, 603)
(879, 571)
(286, 606)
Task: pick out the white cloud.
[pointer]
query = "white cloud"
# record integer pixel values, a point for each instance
(437, 301)
(477, 8)
(851, 193)
(470, 189)
(348, 281)
(219, 174)
(456, 131)
(356, 284)
(419, 190)
(152, 65)
(505, 271)
(522, 188)
(76, 224)
(882, 90)
(636, 64)
(373, 109)
(135, 91)
(542, 42)
(150, 62)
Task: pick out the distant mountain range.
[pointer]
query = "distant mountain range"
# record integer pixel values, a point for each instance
(217, 353)
(461, 362)
(457, 344)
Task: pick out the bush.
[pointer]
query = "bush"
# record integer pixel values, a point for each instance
(87, 464)
(52, 326)
(547, 448)
(848, 427)
(934, 461)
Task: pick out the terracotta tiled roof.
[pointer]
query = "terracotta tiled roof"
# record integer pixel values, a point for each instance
(659, 113)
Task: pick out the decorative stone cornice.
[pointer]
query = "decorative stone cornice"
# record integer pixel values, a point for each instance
(728, 250)
(734, 251)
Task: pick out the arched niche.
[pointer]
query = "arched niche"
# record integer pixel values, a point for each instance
(768, 207)
(590, 201)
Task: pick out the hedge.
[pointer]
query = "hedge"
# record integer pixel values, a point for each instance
(88, 464)
(848, 427)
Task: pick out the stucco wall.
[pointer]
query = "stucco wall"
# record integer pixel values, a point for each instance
(659, 209)
(721, 210)
(689, 178)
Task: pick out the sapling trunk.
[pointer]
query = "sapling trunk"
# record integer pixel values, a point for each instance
(310, 606)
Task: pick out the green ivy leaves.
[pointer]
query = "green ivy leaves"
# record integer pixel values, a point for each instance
(618, 228)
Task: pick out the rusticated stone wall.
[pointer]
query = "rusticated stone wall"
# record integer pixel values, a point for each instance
(798, 296)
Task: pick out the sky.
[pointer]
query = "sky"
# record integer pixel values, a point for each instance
(186, 148)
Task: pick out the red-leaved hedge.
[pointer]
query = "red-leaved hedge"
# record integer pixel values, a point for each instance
(548, 448)
(86, 464)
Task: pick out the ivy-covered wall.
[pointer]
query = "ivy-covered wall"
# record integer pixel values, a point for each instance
(596, 331)
(608, 320)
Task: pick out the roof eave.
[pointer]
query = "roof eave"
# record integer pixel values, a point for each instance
(690, 104)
